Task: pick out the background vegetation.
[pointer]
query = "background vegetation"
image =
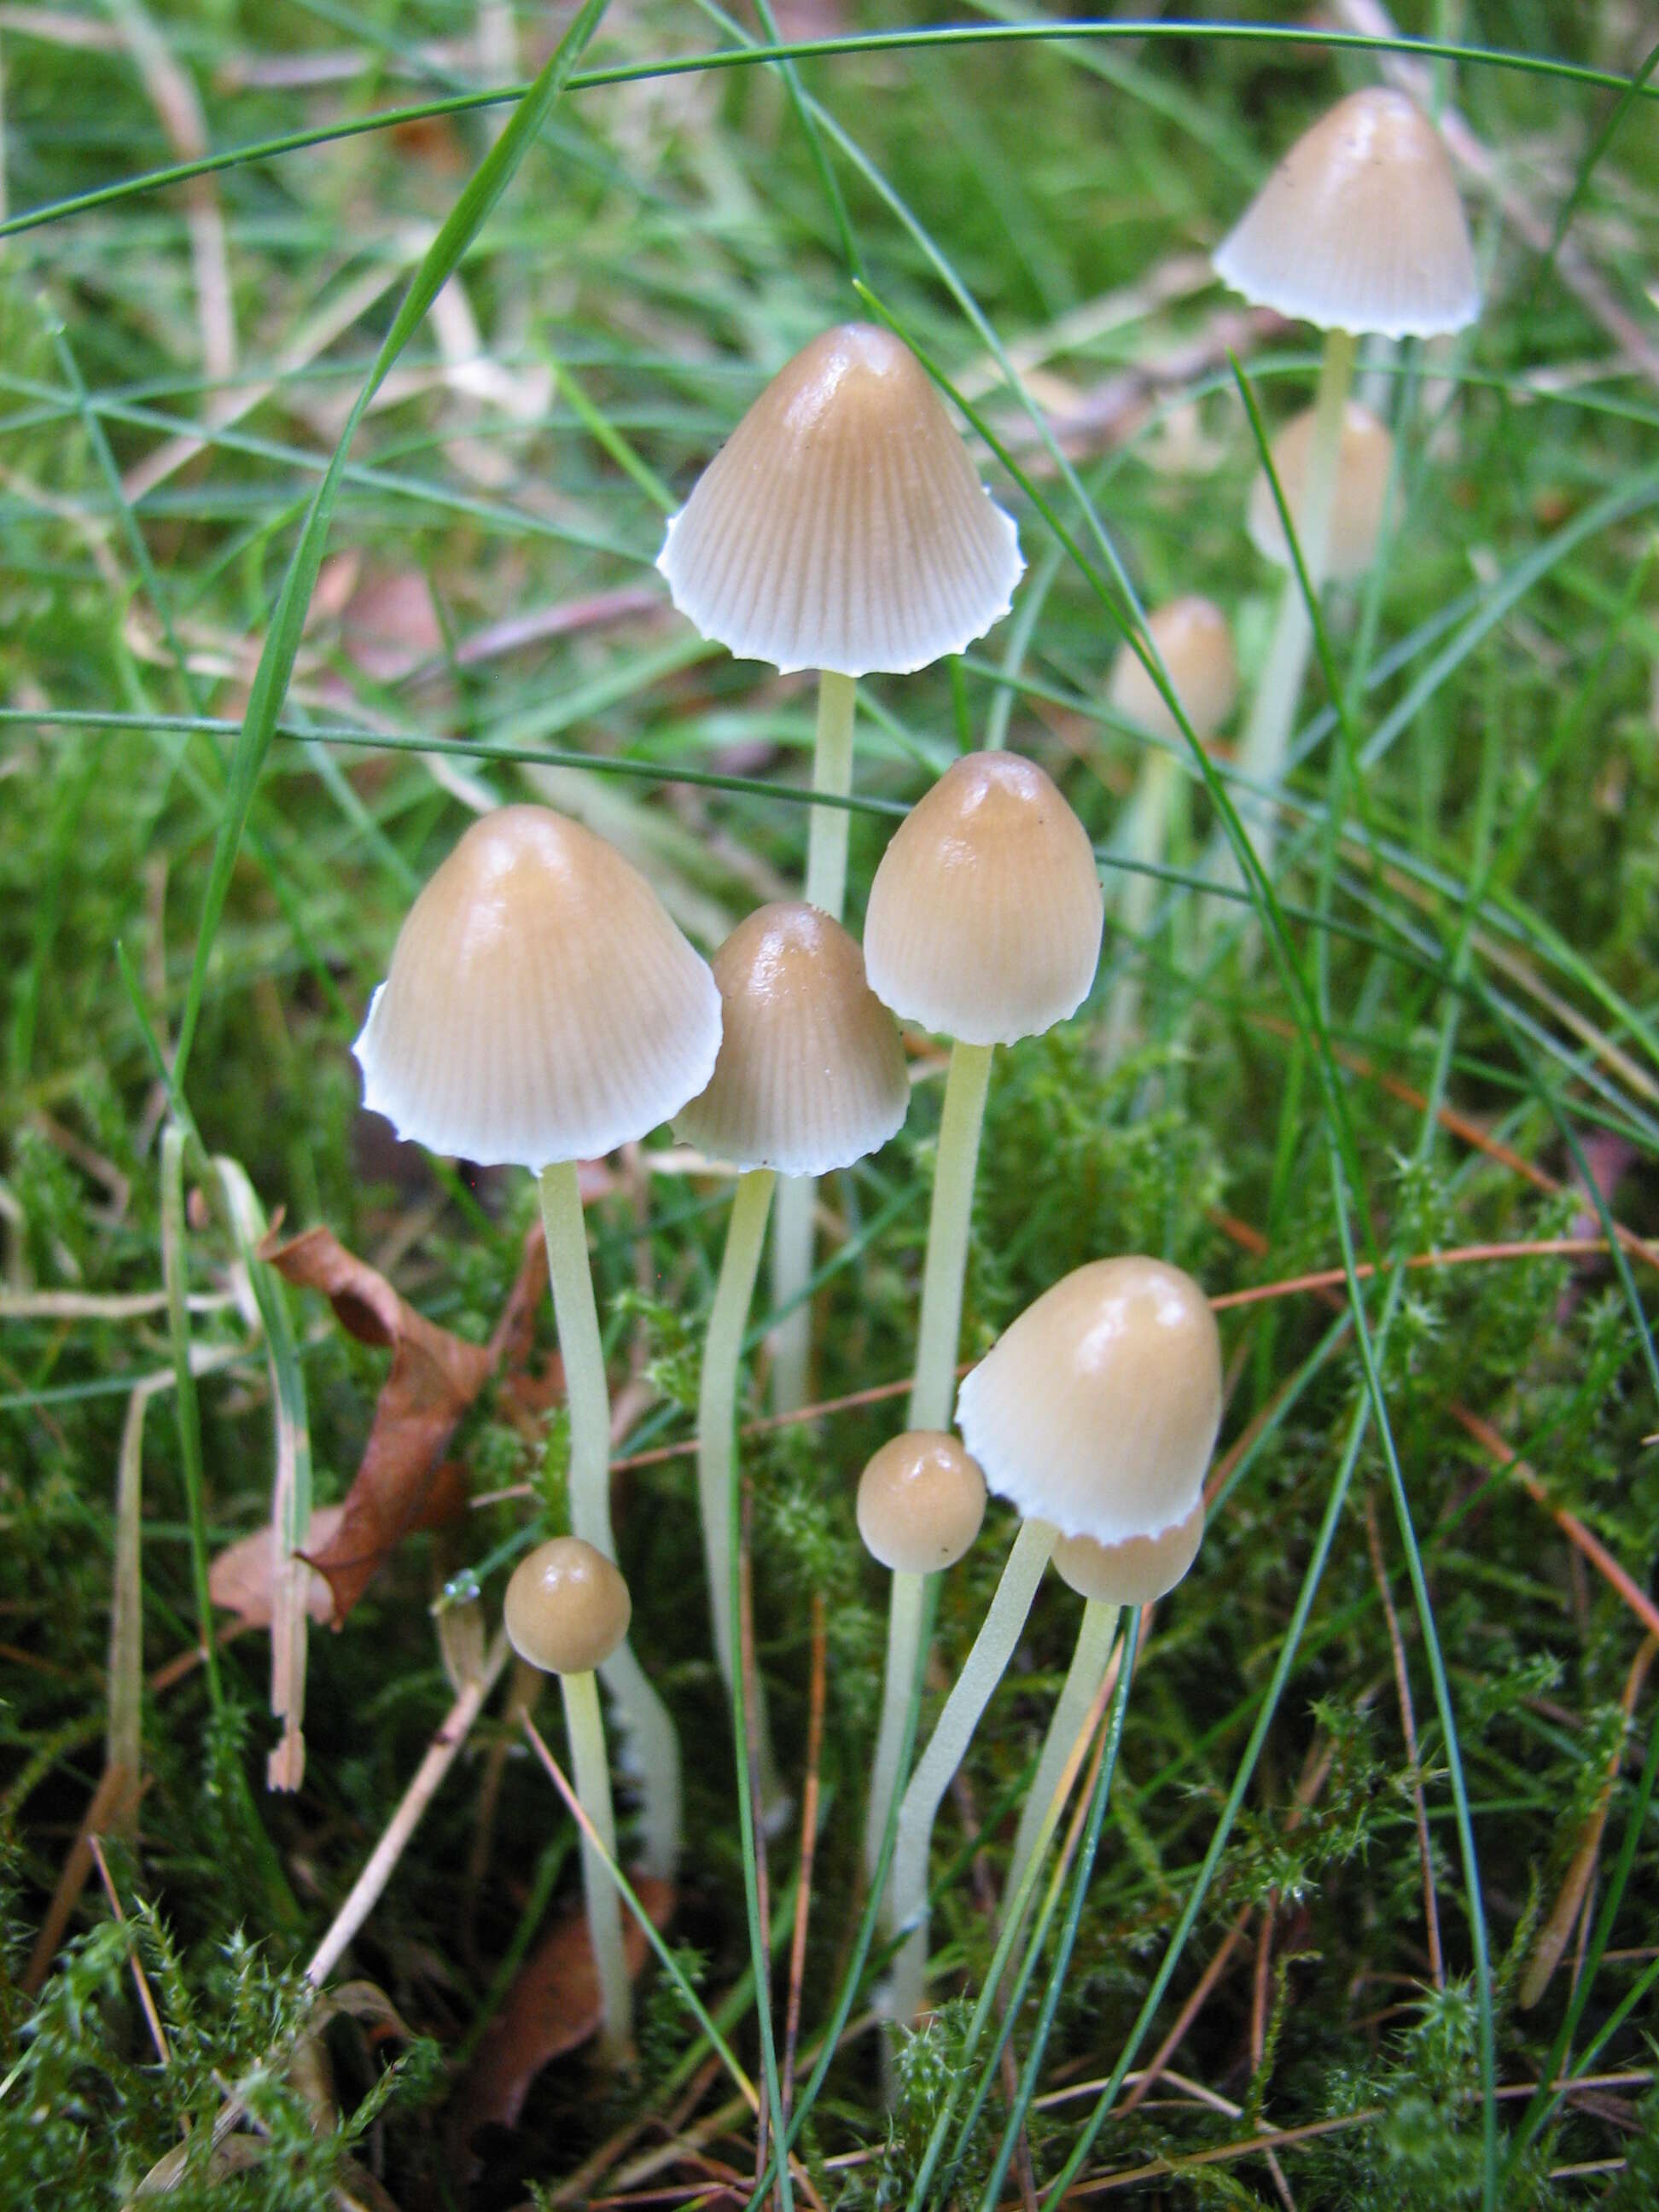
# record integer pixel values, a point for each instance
(1387, 1745)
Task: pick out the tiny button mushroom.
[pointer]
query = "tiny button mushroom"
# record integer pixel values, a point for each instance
(1364, 467)
(920, 1501)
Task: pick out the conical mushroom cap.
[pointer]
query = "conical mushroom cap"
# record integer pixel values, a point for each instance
(541, 1005)
(567, 1608)
(1365, 462)
(1133, 1572)
(920, 1502)
(986, 914)
(1191, 634)
(842, 525)
(1359, 227)
(1098, 1409)
(810, 1075)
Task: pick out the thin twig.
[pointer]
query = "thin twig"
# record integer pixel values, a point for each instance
(1408, 1728)
(152, 2019)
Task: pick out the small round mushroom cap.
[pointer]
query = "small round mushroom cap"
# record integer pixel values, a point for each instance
(568, 1608)
(986, 914)
(811, 1074)
(842, 525)
(1196, 646)
(1098, 1409)
(542, 1006)
(1364, 463)
(1359, 227)
(1135, 1571)
(920, 1502)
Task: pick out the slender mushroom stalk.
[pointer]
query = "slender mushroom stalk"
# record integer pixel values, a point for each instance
(1095, 1413)
(541, 1009)
(567, 1610)
(920, 1502)
(1360, 229)
(984, 922)
(1190, 636)
(840, 528)
(811, 1078)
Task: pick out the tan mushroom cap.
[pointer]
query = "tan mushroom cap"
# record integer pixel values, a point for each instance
(1196, 646)
(811, 1074)
(986, 914)
(1359, 227)
(920, 1502)
(1364, 464)
(1135, 1571)
(541, 1005)
(568, 1608)
(1098, 1409)
(842, 525)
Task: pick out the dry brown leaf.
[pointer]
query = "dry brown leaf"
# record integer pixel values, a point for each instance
(242, 1577)
(552, 2008)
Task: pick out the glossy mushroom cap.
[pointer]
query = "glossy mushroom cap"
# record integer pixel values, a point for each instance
(921, 1500)
(1365, 462)
(1135, 1571)
(1359, 227)
(568, 1608)
(1196, 646)
(1098, 1409)
(542, 1006)
(811, 1074)
(986, 914)
(842, 525)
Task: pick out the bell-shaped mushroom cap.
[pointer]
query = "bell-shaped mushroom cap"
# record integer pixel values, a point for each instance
(1133, 1572)
(1098, 1409)
(568, 1608)
(920, 1502)
(986, 914)
(1196, 646)
(541, 1005)
(1365, 462)
(842, 525)
(810, 1075)
(1359, 227)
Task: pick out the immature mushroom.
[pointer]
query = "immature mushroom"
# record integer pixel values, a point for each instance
(1365, 469)
(920, 1501)
(1095, 1413)
(1359, 229)
(811, 1077)
(841, 528)
(541, 1009)
(567, 1612)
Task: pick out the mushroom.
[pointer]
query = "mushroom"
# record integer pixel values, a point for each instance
(1359, 498)
(1359, 229)
(811, 1077)
(542, 1008)
(920, 1501)
(567, 1612)
(841, 528)
(1095, 1413)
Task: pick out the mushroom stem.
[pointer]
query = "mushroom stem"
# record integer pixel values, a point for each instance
(904, 1612)
(933, 1387)
(1266, 738)
(1142, 837)
(584, 1725)
(650, 1731)
(793, 1224)
(718, 1396)
(1082, 1685)
(982, 1669)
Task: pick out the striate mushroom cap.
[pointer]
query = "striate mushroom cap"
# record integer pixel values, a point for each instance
(920, 1502)
(1098, 1409)
(541, 1005)
(1196, 646)
(1365, 464)
(1135, 1571)
(842, 525)
(811, 1074)
(1359, 227)
(986, 914)
(568, 1608)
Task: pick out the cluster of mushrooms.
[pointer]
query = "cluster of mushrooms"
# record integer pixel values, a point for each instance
(542, 1008)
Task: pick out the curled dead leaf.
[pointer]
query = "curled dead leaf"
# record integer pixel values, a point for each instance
(242, 1578)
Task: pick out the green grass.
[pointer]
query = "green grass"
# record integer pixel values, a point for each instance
(216, 796)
